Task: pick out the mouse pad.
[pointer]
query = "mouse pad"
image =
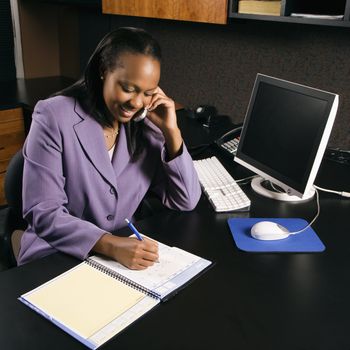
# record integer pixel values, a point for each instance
(303, 242)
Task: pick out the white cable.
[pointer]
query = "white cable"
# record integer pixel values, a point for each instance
(245, 179)
(316, 216)
(276, 189)
(317, 188)
(341, 193)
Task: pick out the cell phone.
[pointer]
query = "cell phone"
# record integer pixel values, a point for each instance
(141, 115)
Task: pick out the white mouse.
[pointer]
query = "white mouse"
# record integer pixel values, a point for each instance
(268, 231)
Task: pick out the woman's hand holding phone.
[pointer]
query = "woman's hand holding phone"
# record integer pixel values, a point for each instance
(161, 112)
(162, 107)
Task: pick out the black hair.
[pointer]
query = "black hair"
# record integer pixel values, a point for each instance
(88, 89)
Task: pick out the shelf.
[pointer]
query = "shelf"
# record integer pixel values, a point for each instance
(336, 7)
(288, 19)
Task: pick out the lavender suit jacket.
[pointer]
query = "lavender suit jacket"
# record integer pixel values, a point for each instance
(73, 193)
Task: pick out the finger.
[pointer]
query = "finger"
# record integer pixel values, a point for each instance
(152, 257)
(151, 247)
(150, 242)
(137, 267)
(159, 90)
(155, 97)
(141, 264)
(164, 101)
(146, 263)
(146, 249)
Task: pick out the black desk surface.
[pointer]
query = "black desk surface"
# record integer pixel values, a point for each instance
(246, 301)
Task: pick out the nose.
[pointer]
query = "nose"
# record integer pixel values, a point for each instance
(137, 102)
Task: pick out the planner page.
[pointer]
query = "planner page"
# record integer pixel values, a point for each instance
(172, 262)
(84, 299)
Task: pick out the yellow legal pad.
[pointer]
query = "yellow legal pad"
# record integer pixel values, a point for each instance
(84, 300)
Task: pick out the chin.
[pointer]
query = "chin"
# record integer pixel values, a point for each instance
(122, 119)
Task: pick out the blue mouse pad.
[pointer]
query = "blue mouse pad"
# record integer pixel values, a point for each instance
(303, 242)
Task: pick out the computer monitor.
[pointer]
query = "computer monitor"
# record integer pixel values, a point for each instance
(284, 136)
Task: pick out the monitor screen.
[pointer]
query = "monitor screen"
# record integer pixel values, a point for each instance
(285, 132)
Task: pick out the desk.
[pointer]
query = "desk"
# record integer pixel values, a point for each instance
(246, 301)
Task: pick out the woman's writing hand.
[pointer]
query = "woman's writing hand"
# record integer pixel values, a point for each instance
(129, 251)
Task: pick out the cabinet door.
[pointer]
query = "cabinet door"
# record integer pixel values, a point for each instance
(11, 140)
(209, 11)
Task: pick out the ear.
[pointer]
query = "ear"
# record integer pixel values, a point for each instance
(102, 74)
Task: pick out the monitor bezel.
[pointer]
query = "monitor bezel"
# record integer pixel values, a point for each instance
(288, 185)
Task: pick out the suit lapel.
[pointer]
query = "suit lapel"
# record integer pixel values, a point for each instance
(90, 136)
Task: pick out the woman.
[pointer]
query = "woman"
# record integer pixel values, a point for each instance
(88, 164)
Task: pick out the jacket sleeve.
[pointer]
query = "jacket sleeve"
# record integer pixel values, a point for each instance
(44, 196)
(176, 182)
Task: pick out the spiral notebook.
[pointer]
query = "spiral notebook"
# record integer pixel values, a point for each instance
(98, 298)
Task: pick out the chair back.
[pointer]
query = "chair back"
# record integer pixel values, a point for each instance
(13, 188)
(13, 220)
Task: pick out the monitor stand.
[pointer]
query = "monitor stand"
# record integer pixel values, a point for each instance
(267, 189)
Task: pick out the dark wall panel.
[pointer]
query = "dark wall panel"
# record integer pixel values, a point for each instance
(217, 64)
(7, 61)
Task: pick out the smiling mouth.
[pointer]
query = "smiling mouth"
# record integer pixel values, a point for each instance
(126, 113)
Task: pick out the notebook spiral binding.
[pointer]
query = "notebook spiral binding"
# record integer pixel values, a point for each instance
(122, 279)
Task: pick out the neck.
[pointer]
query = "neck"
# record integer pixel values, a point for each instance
(111, 132)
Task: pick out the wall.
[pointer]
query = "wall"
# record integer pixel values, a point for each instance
(7, 63)
(68, 30)
(217, 64)
(50, 39)
(39, 35)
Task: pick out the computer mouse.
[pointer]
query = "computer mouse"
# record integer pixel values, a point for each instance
(268, 231)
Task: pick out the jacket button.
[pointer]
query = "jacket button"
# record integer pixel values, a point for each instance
(110, 217)
(112, 191)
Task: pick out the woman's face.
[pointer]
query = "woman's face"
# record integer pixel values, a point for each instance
(129, 87)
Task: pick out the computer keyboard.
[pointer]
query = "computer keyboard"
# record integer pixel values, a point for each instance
(220, 187)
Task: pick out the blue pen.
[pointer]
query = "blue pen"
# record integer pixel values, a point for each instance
(134, 229)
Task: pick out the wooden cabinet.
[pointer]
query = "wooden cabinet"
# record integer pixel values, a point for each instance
(11, 140)
(219, 11)
(209, 11)
(301, 11)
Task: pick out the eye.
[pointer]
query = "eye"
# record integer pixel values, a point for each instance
(128, 89)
